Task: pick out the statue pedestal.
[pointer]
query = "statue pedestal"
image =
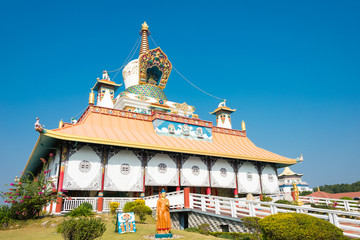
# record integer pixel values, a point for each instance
(164, 235)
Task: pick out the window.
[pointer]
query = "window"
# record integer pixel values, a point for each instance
(249, 176)
(223, 172)
(271, 178)
(125, 169)
(162, 168)
(85, 166)
(195, 170)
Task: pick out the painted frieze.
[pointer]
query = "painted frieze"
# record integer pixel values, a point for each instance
(182, 130)
(123, 171)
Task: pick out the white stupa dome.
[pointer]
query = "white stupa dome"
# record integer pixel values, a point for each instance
(131, 73)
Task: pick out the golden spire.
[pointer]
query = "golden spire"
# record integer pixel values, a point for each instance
(144, 38)
(61, 123)
(91, 97)
(243, 127)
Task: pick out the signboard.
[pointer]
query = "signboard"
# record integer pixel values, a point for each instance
(126, 222)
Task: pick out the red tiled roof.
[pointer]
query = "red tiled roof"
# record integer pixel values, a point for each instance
(321, 194)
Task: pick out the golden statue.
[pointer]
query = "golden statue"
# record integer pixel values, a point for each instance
(163, 222)
(296, 194)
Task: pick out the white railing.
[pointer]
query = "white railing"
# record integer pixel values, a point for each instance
(349, 222)
(347, 205)
(176, 200)
(121, 201)
(74, 202)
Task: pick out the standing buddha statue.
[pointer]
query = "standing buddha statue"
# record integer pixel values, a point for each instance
(163, 222)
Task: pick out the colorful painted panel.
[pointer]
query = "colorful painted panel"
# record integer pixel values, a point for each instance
(183, 130)
(126, 222)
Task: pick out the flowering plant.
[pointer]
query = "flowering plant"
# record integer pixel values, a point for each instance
(30, 194)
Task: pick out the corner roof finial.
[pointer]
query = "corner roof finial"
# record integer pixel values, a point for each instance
(144, 48)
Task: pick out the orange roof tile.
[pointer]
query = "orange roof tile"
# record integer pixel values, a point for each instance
(120, 128)
(321, 194)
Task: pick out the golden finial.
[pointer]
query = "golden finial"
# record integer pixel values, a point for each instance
(61, 123)
(91, 97)
(318, 189)
(243, 127)
(144, 26)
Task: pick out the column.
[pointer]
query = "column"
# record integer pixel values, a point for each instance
(101, 193)
(64, 157)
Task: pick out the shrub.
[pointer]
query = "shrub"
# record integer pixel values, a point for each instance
(128, 206)
(87, 205)
(204, 228)
(6, 216)
(113, 207)
(322, 206)
(233, 235)
(283, 202)
(81, 229)
(346, 198)
(30, 194)
(266, 199)
(305, 193)
(139, 208)
(82, 210)
(192, 229)
(297, 226)
(252, 224)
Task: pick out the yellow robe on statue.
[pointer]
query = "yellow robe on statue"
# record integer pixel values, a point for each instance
(163, 222)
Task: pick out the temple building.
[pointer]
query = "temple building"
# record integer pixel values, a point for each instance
(288, 177)
(139, 141)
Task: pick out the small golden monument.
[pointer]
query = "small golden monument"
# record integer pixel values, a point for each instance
(163, 221)
(296, 195)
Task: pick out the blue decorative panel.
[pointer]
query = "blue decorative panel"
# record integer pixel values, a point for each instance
(182, 130)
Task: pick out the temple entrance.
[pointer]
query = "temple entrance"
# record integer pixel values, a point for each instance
(153, 75)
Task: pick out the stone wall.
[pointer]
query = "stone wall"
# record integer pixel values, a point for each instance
(186, 218)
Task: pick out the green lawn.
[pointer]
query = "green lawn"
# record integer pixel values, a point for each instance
(32, 229)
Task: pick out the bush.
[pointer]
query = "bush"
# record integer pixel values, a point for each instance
(322, 206)
(81, 229)
(113, 207)
(192, 229)
(305, 193)
(30, 194)
(266, 199)
(233, 235)
(82, 210)
(87, 205)
(6, 216)
(297, 226)
(346, 198)
(128, 206)
(283, 202)
(204, 228)
(252, 224)
(139, 208)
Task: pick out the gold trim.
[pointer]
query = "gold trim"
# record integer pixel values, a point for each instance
(69, 137)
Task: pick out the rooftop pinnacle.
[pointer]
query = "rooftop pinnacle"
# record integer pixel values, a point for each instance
(144, 38)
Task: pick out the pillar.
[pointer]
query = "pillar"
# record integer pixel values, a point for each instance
(101, 193)
(186, 197)
(208, 191)
(59, 200)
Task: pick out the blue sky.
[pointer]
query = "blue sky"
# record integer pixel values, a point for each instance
(290, 68)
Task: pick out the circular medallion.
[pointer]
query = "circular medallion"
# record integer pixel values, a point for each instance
(195, 170)
(84, 166)
(125, 169)
(223, 172)
(249, 176)
(162, 168)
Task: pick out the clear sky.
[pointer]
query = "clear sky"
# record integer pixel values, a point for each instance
(290, 68)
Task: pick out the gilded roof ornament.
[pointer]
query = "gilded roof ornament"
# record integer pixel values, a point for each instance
(145, 27)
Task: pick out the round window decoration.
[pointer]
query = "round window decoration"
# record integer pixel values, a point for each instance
(249, 176)
(271, 178)
(223, 172)
(162, 168)
(125, 169)
(195, 170)
(84, 166)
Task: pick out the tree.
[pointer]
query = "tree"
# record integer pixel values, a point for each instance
(30, 194)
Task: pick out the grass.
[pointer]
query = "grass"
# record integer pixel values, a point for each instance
(32, 230)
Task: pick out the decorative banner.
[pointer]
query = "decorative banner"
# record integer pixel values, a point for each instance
(248, 179)
(83, 169)
(161, 170)
(123, 172)
(126, 222)
(222, 174)
(194, 172)
(269, 180)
